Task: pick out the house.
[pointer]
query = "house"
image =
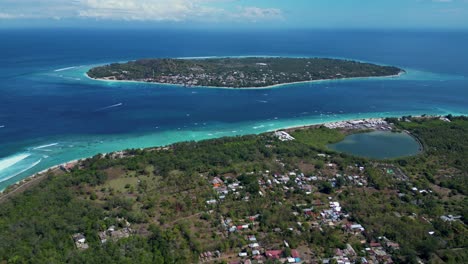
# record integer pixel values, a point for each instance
(350, 250)
(112, 233)
(355, 228)
(283, 136)
(80, 241)
(243, 254)
(254, 245)
(212, 201)
(68, 166)
(393, 245)
(273, 254)
(253, 217)
(306, 187)
(450, 218)
(375, 244)
(217, 182)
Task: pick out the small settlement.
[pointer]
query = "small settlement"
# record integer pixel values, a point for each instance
(317, 214)
(311, 201)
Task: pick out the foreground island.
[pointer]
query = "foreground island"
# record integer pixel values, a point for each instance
(268, 198)
(251, 72)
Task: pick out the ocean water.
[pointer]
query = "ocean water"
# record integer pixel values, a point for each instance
(51, 113)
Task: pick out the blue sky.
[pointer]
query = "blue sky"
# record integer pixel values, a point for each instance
(236, 13)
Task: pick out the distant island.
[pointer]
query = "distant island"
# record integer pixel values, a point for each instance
(249, 72)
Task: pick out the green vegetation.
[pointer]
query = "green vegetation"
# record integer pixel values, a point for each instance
(238, 72)
(318, 138)
(165, 196)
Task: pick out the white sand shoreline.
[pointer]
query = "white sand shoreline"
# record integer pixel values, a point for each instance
(21, 182)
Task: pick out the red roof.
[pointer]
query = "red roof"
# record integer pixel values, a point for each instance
(274, 254)
(295, 254)
(69, 166)
(375, 244)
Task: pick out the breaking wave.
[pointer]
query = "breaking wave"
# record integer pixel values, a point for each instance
(12, 160)
(23, 170)
(45, 146)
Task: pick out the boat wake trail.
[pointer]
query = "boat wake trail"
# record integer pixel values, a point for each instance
(64, 69)
(109, 107)
(18, 173)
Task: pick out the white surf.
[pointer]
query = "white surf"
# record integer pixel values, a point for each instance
(12, 160)
(18, 173)
(46, 146)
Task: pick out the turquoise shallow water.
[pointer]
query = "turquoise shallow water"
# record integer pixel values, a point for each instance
(51, 113)
(379, 145)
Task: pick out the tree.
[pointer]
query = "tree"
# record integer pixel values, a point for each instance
(326, 187)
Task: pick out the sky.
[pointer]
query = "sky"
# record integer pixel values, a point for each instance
(445, 14)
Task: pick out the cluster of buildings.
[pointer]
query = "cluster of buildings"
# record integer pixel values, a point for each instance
(254, 252)
(331, 215)
(236, 78)
(223, 189)
(377, 252)
(372, 123)
(316, 214)
(283, 136)
(112, 233)
(450, 218)
(258, 74)
(209, 256)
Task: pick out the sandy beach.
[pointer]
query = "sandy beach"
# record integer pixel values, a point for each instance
(22, 184)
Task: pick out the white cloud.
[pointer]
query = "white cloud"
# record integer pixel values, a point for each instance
(255, 13)
(158, 10)
(137, 10)
(6, 16)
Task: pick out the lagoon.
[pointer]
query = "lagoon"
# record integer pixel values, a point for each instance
(379, 145)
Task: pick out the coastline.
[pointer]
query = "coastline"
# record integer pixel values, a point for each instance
(23, 183)
(281, 85)
(36, 177)
(421, 145)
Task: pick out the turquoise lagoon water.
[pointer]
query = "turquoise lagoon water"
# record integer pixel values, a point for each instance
(51, 113)
(379, 145)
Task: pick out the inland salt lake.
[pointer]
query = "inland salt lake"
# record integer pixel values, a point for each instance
(379, 145)
(50, 113)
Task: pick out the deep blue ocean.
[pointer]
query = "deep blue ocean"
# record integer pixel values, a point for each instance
(51, 113)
